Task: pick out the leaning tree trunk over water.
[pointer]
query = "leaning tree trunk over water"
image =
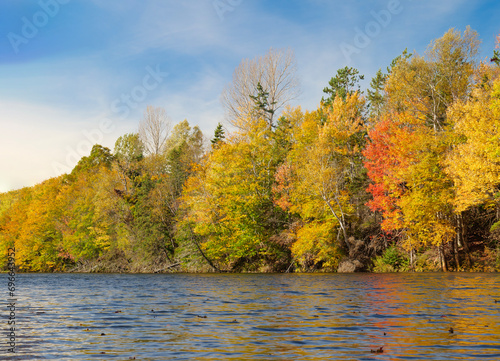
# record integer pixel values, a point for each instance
(198, 247)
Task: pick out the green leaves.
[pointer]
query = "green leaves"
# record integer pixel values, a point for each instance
(346, 82)
(287, 192)
(262, 106)
(218, 136)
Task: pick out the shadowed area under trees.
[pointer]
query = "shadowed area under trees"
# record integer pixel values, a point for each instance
(403, 178)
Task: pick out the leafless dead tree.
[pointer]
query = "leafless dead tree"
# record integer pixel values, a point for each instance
(276, 73)
(154, 129)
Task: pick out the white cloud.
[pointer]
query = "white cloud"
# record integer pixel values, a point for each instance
(36, 140)
(48, 102)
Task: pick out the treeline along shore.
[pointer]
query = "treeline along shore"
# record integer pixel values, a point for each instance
(402, 176)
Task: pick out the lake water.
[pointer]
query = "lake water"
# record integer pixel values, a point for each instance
(256, 316)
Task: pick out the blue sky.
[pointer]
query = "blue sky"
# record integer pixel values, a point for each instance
(76, 72)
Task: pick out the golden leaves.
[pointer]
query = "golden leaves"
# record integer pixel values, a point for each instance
(473, 163)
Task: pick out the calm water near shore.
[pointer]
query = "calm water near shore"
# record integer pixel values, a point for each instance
(256, 316)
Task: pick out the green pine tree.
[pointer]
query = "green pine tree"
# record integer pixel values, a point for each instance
(376, 94)
(345, 82)
(218, 136)
(262, 106)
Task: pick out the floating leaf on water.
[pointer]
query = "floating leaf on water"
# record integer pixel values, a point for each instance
(378, 350)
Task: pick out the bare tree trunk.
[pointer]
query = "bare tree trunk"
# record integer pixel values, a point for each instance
(467, 251)
(459, 230)
(195, 242)
(442, 258)
(341, 223)
(463, 238)
(455, 250)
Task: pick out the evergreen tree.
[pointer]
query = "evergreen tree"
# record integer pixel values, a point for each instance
(376, 94)
(405, 55)
(262, 106)
(345, 82)
(218, 136)
(496, 57)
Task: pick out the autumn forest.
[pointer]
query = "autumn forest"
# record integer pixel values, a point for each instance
(401, 176)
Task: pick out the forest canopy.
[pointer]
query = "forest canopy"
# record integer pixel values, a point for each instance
(401, 176)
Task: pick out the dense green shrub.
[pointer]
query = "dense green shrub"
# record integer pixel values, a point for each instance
(392, 260)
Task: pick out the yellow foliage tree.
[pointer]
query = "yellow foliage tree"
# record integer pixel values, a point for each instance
(323, 160)
(473, 163)
(227, 202)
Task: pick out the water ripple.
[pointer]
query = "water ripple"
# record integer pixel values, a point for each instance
(237, 317)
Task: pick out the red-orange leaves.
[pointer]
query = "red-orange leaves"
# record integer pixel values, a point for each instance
(390, 151)
(283, 187)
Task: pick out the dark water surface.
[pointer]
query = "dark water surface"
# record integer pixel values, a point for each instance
(249, 316)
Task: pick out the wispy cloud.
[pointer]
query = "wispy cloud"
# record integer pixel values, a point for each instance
(65, 80)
